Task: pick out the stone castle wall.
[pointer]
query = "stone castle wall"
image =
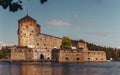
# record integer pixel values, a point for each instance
(44, 41)
(95, 56)
(70, 56)
(78, 56)
(21, 53)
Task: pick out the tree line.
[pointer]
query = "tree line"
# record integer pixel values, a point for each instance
(4, 52)
(113, 53)
(110, 52)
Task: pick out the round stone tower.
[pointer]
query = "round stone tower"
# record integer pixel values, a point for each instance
(28, 29)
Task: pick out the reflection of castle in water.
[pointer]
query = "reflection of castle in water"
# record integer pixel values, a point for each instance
(35, 70)
(38, 69)
(59, 69)
(31, 69)
(47, 69)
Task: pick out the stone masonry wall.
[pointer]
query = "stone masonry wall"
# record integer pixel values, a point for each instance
(21, 53)
(70, 56)
(78, 56)
(95, 56)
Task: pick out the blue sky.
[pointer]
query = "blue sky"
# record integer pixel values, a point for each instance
(95, 21)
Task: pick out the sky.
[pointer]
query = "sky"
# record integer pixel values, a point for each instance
(95, 21)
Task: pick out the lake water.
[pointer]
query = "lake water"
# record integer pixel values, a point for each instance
(106, 68)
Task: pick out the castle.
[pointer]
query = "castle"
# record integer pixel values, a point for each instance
(81, 54)
(29, 35)
(34, 45)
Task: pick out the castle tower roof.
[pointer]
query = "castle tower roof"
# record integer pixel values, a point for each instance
(82, 41)
(26, 18)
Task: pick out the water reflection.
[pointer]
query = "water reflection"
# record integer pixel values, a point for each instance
(4, 69)
(59, 69)
(15, 69)
(35, 70)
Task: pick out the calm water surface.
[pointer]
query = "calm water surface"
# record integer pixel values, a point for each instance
(106, 68)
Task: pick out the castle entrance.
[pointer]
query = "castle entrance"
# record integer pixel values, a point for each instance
(41, 57)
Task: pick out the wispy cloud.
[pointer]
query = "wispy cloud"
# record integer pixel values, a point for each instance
(59, 23)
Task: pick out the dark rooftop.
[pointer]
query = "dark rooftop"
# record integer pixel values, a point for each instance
(82, 41)
(27, 17)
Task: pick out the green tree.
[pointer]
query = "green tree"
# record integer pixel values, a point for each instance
(14, 6)
(4, 52)
(66, 43)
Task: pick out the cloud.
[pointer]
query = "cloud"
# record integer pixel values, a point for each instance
(59, 23)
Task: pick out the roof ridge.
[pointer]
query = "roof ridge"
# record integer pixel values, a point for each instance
(27, 17)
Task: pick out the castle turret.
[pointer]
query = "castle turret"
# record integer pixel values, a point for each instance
(82, 45)
(28, 29)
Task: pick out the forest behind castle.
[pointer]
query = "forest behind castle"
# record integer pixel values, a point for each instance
(110, 52)
(113, 53)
